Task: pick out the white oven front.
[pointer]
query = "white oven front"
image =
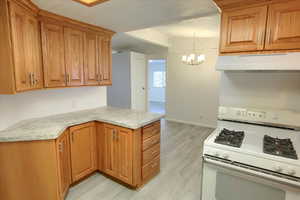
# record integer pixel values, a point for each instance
(222, 181)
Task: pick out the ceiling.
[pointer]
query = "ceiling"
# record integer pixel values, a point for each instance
(204, 27)
(156, 40)
(125, 42)
(128, 15)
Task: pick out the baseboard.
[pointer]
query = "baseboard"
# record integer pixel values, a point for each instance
(191, 123)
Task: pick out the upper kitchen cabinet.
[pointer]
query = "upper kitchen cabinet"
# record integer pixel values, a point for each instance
(91, 65)
(259, 26)
(53, 55)
(74, 54)
(243, 29)
(78, 55)
(20, 50)
(105, 60)
(40, 49)
(283, 31)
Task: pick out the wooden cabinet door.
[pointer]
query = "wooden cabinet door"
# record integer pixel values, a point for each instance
(283, 30)
(74, 54)
(105, 61)
(91, 65)
(83, 150)
(125, 154)
(63, 154)
(34, 52)
(53, 55)
(110, 151)
(243, 29)
(18, 25)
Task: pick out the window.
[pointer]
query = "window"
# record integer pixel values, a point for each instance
(159, 79)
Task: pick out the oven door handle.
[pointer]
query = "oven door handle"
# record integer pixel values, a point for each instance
(259, 173)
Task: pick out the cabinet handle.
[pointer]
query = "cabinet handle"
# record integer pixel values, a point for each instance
(34, 80)
(72, 135)
(30, 79)
(114, 135)
(68, 78)
(100, 77)
(61, 147)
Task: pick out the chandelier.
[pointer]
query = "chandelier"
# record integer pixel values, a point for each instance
(193, 58)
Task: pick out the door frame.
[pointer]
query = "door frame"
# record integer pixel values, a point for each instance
(147, 80)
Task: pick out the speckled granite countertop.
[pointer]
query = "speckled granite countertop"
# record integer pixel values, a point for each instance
(53, 126)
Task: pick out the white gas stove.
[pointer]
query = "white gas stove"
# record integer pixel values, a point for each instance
(259, 147)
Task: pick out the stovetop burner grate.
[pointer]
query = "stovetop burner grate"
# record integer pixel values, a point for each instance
(230, 138)
(279, 147)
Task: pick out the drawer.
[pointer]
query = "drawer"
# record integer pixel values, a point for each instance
(151, 169)
(151, 153)
(148, 143)
(151, 130)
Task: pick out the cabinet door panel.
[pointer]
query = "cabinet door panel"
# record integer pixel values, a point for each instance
(63, 149)
(91, 66)
(125, 155)
(105, 61)
(33, 51)
(53, 55)
(18, 25)
(83, 150)
(283, 31)
(111, 151)
(243, 30)
(74, 52)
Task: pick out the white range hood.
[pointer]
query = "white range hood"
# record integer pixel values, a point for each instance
(277, 62)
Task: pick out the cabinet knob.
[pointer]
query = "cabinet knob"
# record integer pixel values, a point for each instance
(60, 147)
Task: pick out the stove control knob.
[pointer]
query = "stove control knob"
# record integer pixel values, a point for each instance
(291, 172)
(278, 169)
(225, 156)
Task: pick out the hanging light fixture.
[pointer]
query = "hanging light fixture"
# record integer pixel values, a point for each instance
(193, 58)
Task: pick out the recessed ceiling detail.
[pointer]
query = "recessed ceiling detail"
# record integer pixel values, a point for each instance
(90, 3)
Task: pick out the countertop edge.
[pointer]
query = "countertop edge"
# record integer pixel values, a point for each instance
(63, 129)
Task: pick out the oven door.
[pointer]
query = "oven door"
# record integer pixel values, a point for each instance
(220, 181)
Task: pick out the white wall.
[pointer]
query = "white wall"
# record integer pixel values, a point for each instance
(156, 94)
(14, 108)
(119, 94)
(273, 90)
(192, 91)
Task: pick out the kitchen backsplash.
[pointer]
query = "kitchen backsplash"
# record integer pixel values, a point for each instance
(14, 108)
(274, 90)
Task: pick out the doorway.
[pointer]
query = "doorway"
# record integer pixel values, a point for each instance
(157, 86)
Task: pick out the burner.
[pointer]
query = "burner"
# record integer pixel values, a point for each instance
(230, 138)
(279, 147)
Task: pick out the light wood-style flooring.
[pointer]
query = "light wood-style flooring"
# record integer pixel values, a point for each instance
(179, 179)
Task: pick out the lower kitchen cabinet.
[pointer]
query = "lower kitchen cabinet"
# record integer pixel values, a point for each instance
(118, 153)
(83, 150)
(36, 170)
(131, 156)
(64, 164)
